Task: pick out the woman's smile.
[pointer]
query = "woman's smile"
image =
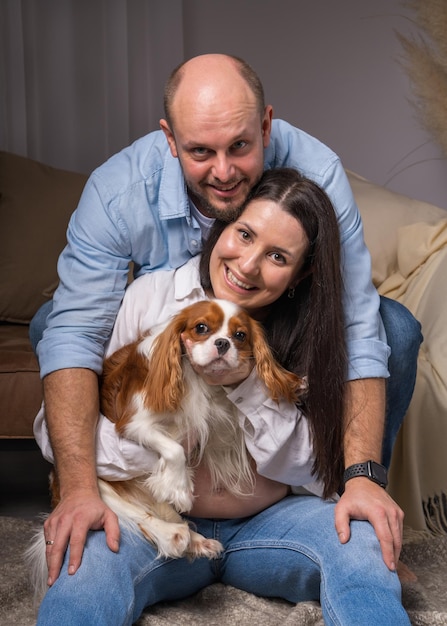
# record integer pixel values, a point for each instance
(258, 257)
(237, 282)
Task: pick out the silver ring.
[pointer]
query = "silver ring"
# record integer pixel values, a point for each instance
(49, 542)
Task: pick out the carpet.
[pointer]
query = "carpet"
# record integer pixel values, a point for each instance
(218, 605)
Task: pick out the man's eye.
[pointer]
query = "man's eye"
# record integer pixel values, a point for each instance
(199, 152)
(201, 329)
(239, 145)
(240, 335)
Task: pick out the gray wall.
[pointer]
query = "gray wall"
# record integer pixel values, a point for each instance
(332, 68)
(84, 77)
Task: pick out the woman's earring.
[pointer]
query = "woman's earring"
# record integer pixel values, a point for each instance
(291, 293)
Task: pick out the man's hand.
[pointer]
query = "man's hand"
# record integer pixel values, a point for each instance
(69, 524)
(364, 500)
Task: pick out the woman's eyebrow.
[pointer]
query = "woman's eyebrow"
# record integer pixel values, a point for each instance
(277, 248)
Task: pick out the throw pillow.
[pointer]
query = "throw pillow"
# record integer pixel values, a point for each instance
(383, 213)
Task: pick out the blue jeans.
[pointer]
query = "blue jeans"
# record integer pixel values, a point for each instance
(403, 332)
(291, 550)
(404, 337)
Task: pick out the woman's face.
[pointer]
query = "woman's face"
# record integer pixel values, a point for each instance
(258, 257)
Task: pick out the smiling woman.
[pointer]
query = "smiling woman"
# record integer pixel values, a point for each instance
(280, 259)
(258, 257)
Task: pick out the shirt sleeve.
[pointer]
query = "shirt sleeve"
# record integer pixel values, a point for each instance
(367, 348)
(117, 458)
(93, 270)
(368, 351)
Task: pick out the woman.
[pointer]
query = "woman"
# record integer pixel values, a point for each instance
(280, 260)
(304, 322)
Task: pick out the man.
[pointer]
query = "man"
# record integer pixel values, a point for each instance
(150, 204)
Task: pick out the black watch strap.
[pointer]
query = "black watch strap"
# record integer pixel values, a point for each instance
(369, 469)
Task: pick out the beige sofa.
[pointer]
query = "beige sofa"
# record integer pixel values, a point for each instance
(408, 243)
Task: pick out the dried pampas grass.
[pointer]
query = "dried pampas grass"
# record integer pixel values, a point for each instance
(425, 61)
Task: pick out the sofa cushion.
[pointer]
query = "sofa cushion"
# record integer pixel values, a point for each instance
(20, 384)
(36, 202)
(383, 213)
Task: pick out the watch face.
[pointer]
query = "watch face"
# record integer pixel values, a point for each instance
(379, 473)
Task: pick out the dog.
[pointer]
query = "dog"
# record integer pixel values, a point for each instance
(152, 392)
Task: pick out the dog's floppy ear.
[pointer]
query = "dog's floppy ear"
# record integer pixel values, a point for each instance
(124, 371)
(279, 382)
(164, 384)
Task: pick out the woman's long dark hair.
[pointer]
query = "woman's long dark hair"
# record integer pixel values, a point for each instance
(306, 333)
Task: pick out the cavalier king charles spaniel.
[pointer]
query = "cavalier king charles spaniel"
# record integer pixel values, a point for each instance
(156, 392)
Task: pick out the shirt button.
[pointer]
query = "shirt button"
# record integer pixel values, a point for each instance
(194, 243)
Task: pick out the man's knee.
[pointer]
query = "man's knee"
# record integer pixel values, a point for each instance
(39, 323)
(402, 329)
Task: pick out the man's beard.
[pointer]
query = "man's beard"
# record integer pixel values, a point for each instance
(228, 214)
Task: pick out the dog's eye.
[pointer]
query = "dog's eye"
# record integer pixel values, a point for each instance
(240, 335)
(201, 329)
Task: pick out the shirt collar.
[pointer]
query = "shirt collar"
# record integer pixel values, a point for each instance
(187, 280)
(173, 200)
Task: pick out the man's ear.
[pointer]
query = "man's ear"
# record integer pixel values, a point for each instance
(169, 137)
(267, 125)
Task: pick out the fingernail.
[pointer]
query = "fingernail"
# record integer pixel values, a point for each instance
(49, 582)
(71, 569)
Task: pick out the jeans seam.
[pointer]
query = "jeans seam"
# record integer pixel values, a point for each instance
(217, 562)
(302, 550)
(297, 547)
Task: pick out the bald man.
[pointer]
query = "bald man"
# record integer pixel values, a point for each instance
(152, 204)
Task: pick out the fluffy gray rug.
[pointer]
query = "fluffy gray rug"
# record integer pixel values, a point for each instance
(425, 600)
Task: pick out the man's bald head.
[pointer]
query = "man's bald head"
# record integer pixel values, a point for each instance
(206, 76)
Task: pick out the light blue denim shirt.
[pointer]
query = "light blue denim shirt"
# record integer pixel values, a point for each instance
(135, 208)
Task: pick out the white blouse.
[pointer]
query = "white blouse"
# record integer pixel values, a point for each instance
(277, 435)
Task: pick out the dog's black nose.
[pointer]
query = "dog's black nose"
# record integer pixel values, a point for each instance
(222, 346)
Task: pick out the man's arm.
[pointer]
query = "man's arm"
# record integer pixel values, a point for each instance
(72, 408)
(362, 498)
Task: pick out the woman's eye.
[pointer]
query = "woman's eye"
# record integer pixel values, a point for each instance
(201, 329)
(244, 234)
(277, 257)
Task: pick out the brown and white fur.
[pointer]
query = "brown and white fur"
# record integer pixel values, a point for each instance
(151, 392)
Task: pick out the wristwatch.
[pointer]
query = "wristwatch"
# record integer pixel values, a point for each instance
(370, 469)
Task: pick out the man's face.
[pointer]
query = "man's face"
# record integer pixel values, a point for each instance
(221, 152)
